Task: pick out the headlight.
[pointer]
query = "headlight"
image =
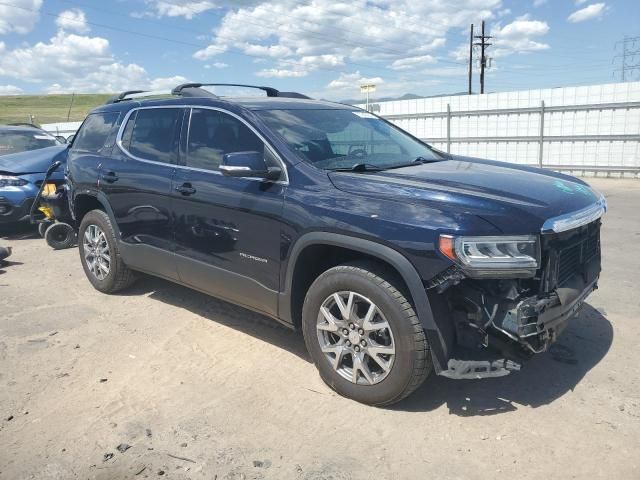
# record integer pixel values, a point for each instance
(517, 256)
(9, 181)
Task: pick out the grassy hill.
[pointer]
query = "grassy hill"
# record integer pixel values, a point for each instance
(48, 108)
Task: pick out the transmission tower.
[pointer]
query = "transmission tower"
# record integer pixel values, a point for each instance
(629, 59)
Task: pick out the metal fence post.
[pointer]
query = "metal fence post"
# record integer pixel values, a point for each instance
(448, 128)
(541, 146)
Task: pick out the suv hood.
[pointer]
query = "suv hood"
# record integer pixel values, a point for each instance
(514, 198)
(32, 161)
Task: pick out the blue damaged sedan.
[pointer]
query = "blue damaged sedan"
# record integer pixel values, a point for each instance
(25, 154)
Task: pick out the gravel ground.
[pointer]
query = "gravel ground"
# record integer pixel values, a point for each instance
(162, 381)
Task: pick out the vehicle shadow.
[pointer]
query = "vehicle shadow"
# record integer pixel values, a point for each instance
(543, 379)
(21, 231)
(219, 311)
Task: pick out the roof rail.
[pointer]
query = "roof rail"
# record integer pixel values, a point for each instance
(196, 90)
(271, 92)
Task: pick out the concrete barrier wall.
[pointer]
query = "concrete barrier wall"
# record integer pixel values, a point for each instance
(581, 129)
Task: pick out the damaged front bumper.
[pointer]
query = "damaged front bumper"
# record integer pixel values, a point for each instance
(499, 323)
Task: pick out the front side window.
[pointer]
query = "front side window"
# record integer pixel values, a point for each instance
(16, 141)
(341, 139)
(94, 132)
(212, 134)
(150, 134)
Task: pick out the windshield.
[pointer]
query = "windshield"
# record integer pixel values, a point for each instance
(343, 139)
(16, 141)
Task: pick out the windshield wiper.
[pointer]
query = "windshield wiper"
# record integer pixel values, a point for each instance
(416, 161)
(359, 167)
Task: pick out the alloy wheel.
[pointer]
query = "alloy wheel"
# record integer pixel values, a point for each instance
(356, 338)
(96, 252)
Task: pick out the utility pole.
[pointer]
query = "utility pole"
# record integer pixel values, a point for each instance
(629, 58)
(483, 56)
(73, 95)
(471, 61)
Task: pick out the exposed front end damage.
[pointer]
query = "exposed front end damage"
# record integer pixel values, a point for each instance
(500, 322)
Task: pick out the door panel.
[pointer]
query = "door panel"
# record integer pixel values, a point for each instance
(139, 189)
(227, 229)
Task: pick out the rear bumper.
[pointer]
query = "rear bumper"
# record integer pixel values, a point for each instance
(11, 212)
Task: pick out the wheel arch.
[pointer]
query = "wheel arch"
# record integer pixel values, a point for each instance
(297, 279)
(86, 201)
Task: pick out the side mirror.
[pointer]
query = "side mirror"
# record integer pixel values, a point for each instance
(61, 139)
(248, 165)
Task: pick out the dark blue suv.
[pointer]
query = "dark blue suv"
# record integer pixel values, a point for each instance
(394, 259)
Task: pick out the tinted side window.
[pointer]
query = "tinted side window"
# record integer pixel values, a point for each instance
(95, 131)
(212, 134)
(150, 134)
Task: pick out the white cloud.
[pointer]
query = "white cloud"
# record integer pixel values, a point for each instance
(10, 90)
(537, 3)
(19, 16)
(519, 36)
(179, 8)
(220, 65)
(280, 73)
(331, 34)
(594, 10)
(75, 63)
(351, 81)
(412, 62)
(73, 19)
(274, 51)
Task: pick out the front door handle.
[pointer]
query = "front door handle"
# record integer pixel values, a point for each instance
(110, 177)
(186, 189)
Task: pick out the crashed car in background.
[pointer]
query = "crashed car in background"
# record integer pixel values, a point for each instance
(25, 154)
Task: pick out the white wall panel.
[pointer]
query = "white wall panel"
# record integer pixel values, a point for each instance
(569, 153)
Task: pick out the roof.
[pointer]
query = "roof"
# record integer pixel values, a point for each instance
(194, 94)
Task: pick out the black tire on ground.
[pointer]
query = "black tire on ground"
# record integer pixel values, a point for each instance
(42, 228)
(60, 236)
(120, 276)
(412, 363)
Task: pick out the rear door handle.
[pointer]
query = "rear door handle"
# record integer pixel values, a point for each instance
(110, 177)
(186, 189)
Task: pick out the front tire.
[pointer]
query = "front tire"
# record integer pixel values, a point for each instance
(363, 334)
(100, 256)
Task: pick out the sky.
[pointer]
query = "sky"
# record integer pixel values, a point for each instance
(322, 48)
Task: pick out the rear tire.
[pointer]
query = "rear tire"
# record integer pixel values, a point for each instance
(60, 235)
(359, 310)
(100, 256)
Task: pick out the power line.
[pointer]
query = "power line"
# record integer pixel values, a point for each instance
(629, 58)
(316, 34)
(187, 43)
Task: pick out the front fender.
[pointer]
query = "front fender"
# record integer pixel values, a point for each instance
(387, 254)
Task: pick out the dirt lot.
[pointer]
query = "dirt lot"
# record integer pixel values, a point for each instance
(202, 389)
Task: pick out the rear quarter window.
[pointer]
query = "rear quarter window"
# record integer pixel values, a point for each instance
(94, 133)
(150, 134)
